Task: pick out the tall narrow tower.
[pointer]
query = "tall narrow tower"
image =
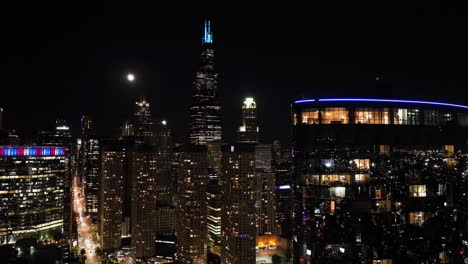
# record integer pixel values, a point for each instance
(205, 112)
(248, 132)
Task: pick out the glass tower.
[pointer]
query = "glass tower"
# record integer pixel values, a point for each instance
(205, 112)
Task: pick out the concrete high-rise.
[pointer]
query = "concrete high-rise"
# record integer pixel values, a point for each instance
(248, 131)
(191, 201)
(238, 214)
(205, 112)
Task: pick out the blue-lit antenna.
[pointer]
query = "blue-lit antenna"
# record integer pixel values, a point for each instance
(208, 37)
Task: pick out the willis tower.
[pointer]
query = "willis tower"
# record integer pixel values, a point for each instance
(205, 112)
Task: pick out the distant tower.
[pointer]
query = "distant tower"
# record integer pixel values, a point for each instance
(205, 112)
(248, 132)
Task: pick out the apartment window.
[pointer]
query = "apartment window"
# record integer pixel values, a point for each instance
(334, 178)
(417, 218)
(417, 190)
(361, 178)
(312, 179)
(449, 149)
(402, 116)
(362, 164)
(328, 163)
(335, 115)
(382, 261)
(431, 118)
(338, 192)
(372, 116)
(310, 116)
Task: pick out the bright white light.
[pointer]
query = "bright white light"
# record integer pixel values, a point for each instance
(164, 122)
(130, 77)
(342, 250)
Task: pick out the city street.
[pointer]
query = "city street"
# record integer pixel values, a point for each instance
(85, 240)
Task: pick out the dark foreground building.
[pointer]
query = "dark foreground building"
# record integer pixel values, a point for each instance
(379, 181)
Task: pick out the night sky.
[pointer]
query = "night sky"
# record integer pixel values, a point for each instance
(66, 61)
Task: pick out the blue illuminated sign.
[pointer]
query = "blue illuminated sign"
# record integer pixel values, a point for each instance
(380, 101)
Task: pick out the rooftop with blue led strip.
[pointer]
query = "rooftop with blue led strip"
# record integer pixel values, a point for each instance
(374, 100)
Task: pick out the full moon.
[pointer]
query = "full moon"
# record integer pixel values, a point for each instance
(130, 77)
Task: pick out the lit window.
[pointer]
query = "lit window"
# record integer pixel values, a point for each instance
(338, 192)
(417, 190)
(372, 116)
(417, 218)
(403, 116)
(362, 164)
(336, 115)
(382, 261)
(310, 116)
(334, 178)
(361, 178)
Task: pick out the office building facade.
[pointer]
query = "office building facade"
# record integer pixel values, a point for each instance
(32, 192)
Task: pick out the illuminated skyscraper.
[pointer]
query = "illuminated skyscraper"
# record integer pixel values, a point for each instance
(205, 111)
(111, 197)
(88, 152)
(238, 214)
(372, 177)
(248, 132)
(144, 169)
(32, 192)
(191, 200)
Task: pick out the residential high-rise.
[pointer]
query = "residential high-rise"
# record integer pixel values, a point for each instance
(265, 202)
(205, 112)
(238, 214)
(144, 169)
(248, 132)
(32, 192)
(111, 196)
(379, 180)
(191, 201)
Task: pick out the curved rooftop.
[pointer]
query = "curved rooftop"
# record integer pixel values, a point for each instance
(376, 100)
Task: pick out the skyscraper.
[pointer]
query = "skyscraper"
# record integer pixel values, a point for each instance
(238, 214)
(111, 197)
(205, 112)
(248, 131)
(88, 152)
(191, 200)
(144, 169)
(373, 176)
(32, 192)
